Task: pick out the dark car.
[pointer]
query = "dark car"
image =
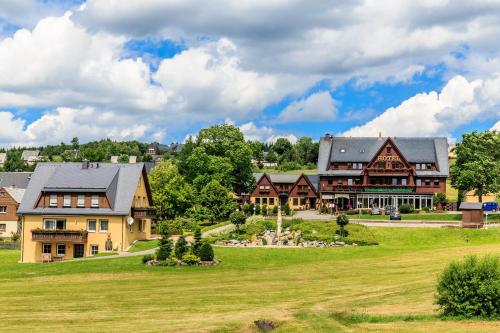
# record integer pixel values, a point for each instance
(389, 209)
(395, 215)
(375, 211)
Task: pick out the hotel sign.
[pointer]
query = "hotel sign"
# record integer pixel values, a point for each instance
(388, 158)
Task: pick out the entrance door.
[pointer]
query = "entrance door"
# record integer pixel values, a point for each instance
(78, 250)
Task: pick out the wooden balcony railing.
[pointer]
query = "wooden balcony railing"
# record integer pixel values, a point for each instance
(143, 212)
(74, 236)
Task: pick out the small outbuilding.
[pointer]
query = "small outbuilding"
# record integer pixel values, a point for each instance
(472, 214)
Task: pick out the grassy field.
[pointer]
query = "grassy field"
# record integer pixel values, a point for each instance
(425, 217)
(384, 288)
(144, 245)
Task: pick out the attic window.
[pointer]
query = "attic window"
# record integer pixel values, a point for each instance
(361, 151)
(342, 150)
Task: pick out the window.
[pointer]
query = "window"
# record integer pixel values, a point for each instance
(302, 201)
(3, 209)
(349, 181)
(357, 181)
(46, 248)
(295, 201)
(394, 181)
(419, 182)
(52, 224)
(94, 249)
(423, 166)
(339, 181)
(417, 166)
(403, 181)
(95, 201)
(91, 225)
(335, 165)
(427, 182)
(61, 249)
(429, 166)
(80, 201)
(142, 225)
(53, 200)
(436, 182)
(380, 165)
(67, 200)
(3, 227)
(330, 182)
(271, 201)
(262, 187)
(103, 225)
(388, 149)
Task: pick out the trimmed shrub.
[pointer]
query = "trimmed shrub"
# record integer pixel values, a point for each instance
(426, 209)
(342, 221)
(206, 252)
(191, 259)
(197, 242)
(147, 257)
(275, 210)
(286, 209)
(470, 288)
(406, 209)
(181, 247)
(247, 209)
(257, 209)
(264, 210)
(238, 219)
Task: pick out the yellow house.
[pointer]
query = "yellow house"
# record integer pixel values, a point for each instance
(72, 210)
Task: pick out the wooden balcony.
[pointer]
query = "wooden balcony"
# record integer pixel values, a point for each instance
(143, 213)
(342, 188)
(72, 236)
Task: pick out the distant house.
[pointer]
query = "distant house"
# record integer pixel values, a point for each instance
(3, 158)
(12, 187)
(114, 159)
(75, 153)
(151, 150)
(174, 147)
(30, 157)
(131, 159)
(72, 210)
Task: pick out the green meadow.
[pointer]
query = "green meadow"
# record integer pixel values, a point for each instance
(384, 288)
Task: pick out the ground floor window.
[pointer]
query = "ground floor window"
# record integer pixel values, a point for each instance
(46, 248)
(271, 201)
(302, 201)
(257, 201)
(3, 227)
(61, 249)
(94, 249)
(295, 201)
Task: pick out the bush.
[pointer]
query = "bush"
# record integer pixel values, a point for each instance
(197, 242)
(257, 209)
(147, 257)
(470, 288)
(181, 247)
(264, 210)
(199, 214)
(286, 209)
(178, 225)
(268, 225)
(206, 252)
(14, 236)
(287, 166)
(352, 212)
(247, 209)
(426, 209)
(191, 259)
(275, 210)
(237, 218)
(406, 209)
(342, 221)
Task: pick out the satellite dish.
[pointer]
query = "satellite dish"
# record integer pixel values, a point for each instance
(130, 220)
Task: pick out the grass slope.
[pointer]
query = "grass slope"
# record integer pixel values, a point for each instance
(384, 288)
(143, 245)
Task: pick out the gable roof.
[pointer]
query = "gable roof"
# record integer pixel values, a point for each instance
(27, 154)
(16, 193)
(278, 177)
(117, 181)
(363, 149)
(15, 179)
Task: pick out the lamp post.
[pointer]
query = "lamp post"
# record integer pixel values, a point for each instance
(486, 222)
(253, 210)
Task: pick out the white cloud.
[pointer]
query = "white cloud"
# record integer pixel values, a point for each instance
(263, 134)
(317, 107)
(496, 127)
(428, 114)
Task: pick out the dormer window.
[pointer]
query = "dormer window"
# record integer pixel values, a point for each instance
(94, 203)
(80, 201)
(53, 200)
(389, 150)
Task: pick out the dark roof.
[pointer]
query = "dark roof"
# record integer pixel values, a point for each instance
(363, 149)
(314, 180)
(15, 179)
(288, 178)
(471, 206)
(118, 181)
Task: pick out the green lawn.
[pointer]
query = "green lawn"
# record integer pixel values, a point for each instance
(425, 217)
(144, 245)
(213, 226)
(384, 288)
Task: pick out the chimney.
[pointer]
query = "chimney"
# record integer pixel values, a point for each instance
(380, 135)
(85, 164)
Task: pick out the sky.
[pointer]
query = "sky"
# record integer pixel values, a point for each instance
(160, 70)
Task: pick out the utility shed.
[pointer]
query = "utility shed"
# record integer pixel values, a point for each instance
(472, 214)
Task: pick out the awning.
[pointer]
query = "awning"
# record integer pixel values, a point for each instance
(337, 196)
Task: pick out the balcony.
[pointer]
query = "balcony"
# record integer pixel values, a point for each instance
(387, 172)
(73, 236)
(342, 188)
(143, 213)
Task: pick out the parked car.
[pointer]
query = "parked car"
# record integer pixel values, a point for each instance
(490, 206)
(375, 211)
(395, 215)
(389, 209)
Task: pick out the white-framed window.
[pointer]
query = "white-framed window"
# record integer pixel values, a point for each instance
(3, 227)
(403, 181)
(417, 166)
(349, 181)
(423, 166)
(394, 181)
(94, 249)
(95, 201)
(46, 248)
(3, 209)
(67, 200)
(61, 249)
(419, 182)
(91, 225)
(53, 224)
(103, 225)
(53, 200)
(80, 202)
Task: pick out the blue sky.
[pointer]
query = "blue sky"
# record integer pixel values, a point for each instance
(151, 70)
